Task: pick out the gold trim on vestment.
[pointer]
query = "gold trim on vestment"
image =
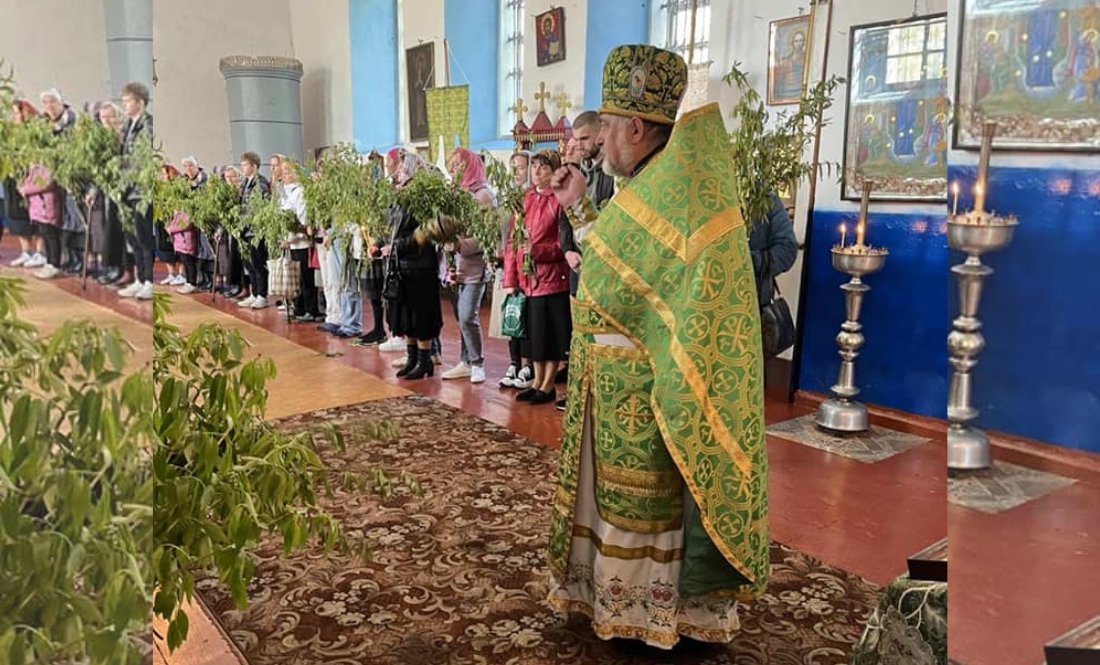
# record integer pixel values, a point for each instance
(626, 553)
(666, 640)
(691, 376)
(687, 249)
(654, 492)
(722, 435)
(637, 478)
(615, 352)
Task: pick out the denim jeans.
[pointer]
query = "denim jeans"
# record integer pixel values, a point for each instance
(351, 303)
(467, 306)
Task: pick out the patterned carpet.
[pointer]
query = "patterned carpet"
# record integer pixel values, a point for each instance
(459, 577)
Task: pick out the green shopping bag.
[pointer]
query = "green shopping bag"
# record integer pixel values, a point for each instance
(514, 322)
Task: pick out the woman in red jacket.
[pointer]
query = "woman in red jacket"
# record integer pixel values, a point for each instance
(545, 283)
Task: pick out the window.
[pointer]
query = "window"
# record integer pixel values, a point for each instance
(671, 28)
(511, 63)
(916, 53)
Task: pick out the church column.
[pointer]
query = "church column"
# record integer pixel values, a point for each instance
(129, 42)
(265, 105)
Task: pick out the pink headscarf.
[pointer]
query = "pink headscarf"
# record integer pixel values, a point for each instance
(473, 174)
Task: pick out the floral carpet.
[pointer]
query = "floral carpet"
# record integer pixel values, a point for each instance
(458, 576)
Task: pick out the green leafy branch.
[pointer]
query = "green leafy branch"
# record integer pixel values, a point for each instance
(768, 157)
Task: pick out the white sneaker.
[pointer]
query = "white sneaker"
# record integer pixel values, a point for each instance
(168, 281)
(509, 377)
(393, 345)
(145, 292)
(400, 362)
(131, 291)
(180, 280)
(259, 303)
(187, 289)
(20, 260)
(460, 371)
(281, 308)
(247, 302)
(477, 374)
(524, 378)
(46, 272)
(37, 261)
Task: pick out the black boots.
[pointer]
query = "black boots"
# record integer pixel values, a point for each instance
(424, 365)
(411, 360)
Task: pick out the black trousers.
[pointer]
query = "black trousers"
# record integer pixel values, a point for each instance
(51, 240)
(306, 300)
(257, 268)
(114, 240)
(190, 268)
(142, 240)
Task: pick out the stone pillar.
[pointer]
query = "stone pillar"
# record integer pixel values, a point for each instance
(129, 42)
(265, 105)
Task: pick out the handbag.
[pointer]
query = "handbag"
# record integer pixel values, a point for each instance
(391, 283)
(313, 260)
(514, 316)
(284, 276)
(776, 322)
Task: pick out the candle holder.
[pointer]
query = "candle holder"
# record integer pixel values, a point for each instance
(973, 233)
(842, 413)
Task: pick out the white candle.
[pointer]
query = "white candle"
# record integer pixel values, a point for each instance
(843, 231)
(955, 191)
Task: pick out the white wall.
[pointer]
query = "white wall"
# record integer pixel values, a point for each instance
(321, 41)
(565, 76)
(740, 32)
(51, 47)
(189, 39)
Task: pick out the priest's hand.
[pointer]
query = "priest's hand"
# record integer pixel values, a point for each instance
(568, 185)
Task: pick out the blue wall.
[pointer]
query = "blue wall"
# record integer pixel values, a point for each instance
(1039, 375)
(903, 362)
(611, 23)
(373, 31)
(472, 28)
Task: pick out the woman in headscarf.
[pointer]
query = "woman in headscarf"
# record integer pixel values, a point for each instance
(470, 272)
(415, 310)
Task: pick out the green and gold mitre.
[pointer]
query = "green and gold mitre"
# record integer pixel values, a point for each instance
(643, 81)
(667, 264)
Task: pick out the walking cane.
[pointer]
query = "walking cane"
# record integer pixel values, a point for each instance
(214, 280)
(87, 244)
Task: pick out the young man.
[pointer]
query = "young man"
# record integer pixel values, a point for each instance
(138, 125)
(253, 183)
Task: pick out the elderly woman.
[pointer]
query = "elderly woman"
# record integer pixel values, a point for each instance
(415, 311)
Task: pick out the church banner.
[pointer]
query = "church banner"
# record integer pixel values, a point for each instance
(449, 117)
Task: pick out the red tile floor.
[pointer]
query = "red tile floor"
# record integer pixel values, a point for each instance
(1019, 578)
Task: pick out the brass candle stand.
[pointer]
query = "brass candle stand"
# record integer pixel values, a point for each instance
(842, 413)
(974, 233)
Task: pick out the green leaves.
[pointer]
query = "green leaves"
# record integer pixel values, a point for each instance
(768, 156)
(75, 493)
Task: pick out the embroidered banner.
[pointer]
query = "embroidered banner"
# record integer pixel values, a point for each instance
(449, 117)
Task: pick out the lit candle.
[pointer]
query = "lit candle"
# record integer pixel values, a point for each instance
(866, 201)
(843, 231)
(955, 191)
